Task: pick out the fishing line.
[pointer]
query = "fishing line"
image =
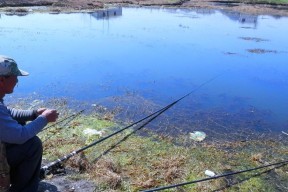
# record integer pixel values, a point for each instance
(215, 177)
(56, 163)
(71, 117)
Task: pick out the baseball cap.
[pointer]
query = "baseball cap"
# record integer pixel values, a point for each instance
(9, 67)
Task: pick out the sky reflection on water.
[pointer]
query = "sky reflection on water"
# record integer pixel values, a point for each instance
(157, 53)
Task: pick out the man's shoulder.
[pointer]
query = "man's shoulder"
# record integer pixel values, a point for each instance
(3, 109)
(2, 105)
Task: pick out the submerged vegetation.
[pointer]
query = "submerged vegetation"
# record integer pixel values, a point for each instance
(149, 159)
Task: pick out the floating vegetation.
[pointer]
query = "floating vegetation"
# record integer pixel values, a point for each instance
(253, 39)
(261, 51)
(230, 53)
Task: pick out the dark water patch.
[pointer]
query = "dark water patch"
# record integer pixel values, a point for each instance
(255, 39)
(247, 27)
(230, 53)
(261, 51)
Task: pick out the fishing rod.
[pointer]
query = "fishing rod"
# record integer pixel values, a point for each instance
(48, 168)
(247, 178)
(128, 135)
(215, 177)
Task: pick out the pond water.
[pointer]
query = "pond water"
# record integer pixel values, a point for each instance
(159, 54)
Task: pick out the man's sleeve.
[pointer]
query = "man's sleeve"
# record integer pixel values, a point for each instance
(13, 132)
(22, 115)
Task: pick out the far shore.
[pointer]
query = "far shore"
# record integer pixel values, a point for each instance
(53, 6)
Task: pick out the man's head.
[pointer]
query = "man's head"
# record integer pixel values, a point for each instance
(9, 73)
(9, 67)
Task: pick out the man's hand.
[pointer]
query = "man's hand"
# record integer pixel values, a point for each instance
(40, 111)
(50, 114)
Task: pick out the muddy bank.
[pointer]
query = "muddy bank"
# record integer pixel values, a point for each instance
(25, 6)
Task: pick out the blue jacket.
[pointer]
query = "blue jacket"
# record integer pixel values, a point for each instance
(11, 131)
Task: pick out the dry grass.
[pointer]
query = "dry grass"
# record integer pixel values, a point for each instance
(107, 173)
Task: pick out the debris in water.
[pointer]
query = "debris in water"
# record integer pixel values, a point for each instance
(89, 131)
(210, 173)
(284, 133)
(198, 136)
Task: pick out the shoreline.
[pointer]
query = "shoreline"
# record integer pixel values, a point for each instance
(51, 6)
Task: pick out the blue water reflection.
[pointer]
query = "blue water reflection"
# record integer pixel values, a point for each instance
(158, 53)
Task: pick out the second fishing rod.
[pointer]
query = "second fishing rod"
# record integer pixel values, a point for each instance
(48, 168)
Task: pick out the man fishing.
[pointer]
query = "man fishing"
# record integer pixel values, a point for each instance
(23, 147)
